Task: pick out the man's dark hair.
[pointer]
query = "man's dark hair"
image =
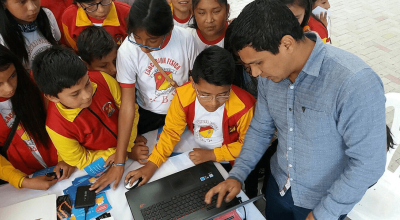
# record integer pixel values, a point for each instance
(57, 68)
(215, 65)
(94, 43)
(262, 24)
(154, 16)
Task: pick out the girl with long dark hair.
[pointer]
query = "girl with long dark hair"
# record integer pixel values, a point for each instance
(26, 28)
(29, 148)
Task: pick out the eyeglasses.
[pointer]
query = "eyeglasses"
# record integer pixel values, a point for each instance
(132, 40)
(220, 98)
(94, 6)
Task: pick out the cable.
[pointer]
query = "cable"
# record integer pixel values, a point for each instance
(86, 210)
(244, 213)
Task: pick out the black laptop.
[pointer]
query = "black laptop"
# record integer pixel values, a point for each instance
(178, 196)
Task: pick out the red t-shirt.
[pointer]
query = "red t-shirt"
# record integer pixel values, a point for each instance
(319, 28)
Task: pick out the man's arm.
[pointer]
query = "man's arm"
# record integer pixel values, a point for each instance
(361, 122)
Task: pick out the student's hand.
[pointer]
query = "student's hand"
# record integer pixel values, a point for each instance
(310, 216)
(323, 17)
(199, 155)
(67, 170)
(230, 186)
(140, 138)
(113, 174)
(110, 160)
(146, 172)
(140, 152)
(38, 182)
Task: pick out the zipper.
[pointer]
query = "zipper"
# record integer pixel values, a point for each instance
(91, 111)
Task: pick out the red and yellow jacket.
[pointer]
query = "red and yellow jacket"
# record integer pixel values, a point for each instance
(318, 27)
(20, 161)
(238, 113)
(81, 136)
(75, 20)
(57, 7)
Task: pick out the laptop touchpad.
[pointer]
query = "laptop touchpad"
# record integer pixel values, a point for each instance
(180, 183)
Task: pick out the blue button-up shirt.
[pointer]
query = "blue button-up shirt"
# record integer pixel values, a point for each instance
(331, 131)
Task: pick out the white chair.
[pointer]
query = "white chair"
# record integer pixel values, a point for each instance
(382, 200)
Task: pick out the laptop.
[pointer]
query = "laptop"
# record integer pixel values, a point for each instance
(178, 196)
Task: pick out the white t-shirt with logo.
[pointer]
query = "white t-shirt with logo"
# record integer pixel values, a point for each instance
(186, 24)
(202, 43)
(9, 117)
(207, 126)
(153, 92)
(35, 42)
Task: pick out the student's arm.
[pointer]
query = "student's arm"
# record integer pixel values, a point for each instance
(175, 124)
(115, 90)
(231, 151)
(73, 153)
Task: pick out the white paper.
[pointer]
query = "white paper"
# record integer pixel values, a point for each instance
(43, 208)
(317, 12)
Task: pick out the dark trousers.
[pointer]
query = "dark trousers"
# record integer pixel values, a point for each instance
(282, 207)
(149, 121)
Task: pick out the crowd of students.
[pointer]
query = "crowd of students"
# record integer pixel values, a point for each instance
(85, 79)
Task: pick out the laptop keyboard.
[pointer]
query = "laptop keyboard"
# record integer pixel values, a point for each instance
(181, 205)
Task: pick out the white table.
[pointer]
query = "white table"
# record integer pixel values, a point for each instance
(120, 210)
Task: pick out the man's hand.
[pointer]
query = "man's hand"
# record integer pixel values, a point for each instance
(67, 170)
(310, 216)
(140, 152)
(111, 175)
(199, 155)
(230, 186)
(38, 182)
(146, 172)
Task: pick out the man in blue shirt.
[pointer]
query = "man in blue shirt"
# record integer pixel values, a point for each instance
(328, 107)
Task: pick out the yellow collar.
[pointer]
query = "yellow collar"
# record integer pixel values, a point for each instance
(71, 114)
(234, 104)
(82, 19)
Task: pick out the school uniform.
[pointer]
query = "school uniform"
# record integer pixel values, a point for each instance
(25, 156)
(75, 20)
(183, 22)
(81, 136)
(202, 43)
(321, 30)
(57, 7)
(222, 131)
(134, 69)
(35, 42)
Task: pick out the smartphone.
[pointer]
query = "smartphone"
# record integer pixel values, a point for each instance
(53, 174)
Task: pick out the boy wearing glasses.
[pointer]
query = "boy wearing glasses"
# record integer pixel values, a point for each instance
(109, 14)
(217, 112)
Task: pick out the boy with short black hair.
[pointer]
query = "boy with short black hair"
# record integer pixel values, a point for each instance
(217, 112)
(98, 50)
(82, 117)
(85, 13)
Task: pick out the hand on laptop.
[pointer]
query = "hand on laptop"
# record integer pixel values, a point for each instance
(230, 186)
(199, 155)
(146, 172)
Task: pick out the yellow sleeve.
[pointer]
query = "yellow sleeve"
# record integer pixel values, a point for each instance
(175, 124)
(69, 39)
(10, 174)
(73, 153)
(231, 151)
(115, 90)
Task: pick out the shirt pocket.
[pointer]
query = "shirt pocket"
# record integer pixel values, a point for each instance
(313, 121)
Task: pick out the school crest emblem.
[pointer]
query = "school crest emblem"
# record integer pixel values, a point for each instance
(161, 81)
(108, 109)
(206, 132)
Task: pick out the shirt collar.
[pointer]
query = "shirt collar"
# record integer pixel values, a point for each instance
(82, 19)
(71, 114)
(314, 62)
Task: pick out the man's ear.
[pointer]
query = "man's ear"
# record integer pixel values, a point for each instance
(287, 44)
(52, 98)
(191, 80)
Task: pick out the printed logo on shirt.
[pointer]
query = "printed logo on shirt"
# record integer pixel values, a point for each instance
(204, 130)
(8, 118)
(161, 82)
(119, 38)
(108, 109)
